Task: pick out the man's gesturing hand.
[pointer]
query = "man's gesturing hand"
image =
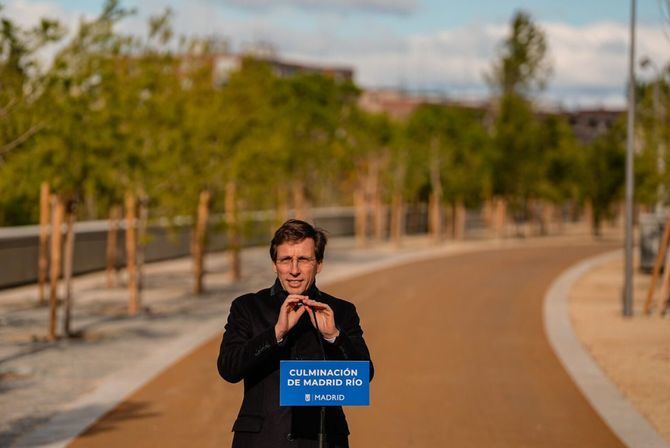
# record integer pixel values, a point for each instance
(289, 314)
(324, 315)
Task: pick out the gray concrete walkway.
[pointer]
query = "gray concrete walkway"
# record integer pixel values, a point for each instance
(115, 353)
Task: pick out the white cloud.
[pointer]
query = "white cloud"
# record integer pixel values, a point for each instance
(28, 13)
(589, 61)
(597, 55)
(401, 7)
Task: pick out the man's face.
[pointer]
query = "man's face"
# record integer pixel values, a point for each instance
(296, 265)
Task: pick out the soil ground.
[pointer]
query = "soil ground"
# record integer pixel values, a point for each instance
(633, 352)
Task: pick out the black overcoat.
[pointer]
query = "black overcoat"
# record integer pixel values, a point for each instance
(250, 352)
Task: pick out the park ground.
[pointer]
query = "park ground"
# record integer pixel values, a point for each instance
(476, 371)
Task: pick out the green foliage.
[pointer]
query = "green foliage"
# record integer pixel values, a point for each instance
(116, 113)
(560, 179)
(455, 137)
(522, 67)
(604, 173)
(652, 168)
(533, 156)
(21, 84)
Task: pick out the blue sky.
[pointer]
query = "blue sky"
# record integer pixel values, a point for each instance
(445, 46)
(433, 15)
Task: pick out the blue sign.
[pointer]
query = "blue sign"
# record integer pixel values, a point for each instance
(324, 383)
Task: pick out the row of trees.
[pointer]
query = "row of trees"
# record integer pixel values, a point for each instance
(146, 122)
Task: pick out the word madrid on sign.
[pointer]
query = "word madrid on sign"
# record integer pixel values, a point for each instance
(324, 383)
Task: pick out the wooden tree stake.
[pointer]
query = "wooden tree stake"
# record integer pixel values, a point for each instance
(299, 200)
(360, 217)
(199, 241)
(663, 307)
(547, 218)
(56, 236)
(68, 265)
(435, 198)
(435, 215)
(42, 262)
(374, 188)
(589, 217)
(142, 239)
(131, 254)
(397, 219)
(500, 215)
(459, 220)
(112, 237)
(282, 209)
(233, 231)
(660, 259)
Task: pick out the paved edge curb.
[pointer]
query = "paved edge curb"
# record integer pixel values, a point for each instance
(80, 414)
(603, 395)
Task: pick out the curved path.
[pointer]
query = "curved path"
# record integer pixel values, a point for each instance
(460, 354)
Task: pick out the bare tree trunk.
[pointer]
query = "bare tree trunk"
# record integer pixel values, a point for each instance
(500, 217)
(112, 237)
(589, 220)
(233, 230)
(434, 216)
(459, 220)
(199, 241)
(42, 262)
(300, 204)
(90, 206)
(131, 254)
(397, 219)
(68, 265)
(380, 211)
(282, 208)
(559, 213)
(548, 212)
(56, 236)
(486, 214)
(375, 197)
(142, 239)
(435, 198)
(380, 214)
(360, 217)
(397, 224)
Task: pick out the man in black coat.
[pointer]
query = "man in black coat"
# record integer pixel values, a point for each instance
(281, 323)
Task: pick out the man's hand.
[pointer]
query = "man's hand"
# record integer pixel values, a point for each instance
(289, 314)
(323, 315)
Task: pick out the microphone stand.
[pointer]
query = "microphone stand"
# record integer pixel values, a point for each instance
(322, 420)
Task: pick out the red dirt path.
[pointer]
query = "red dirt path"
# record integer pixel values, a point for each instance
(460, 356)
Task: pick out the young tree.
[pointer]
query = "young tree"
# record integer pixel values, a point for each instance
(522, 67)
(651, 164)
(520, 71)
(603, 174)
(21, 86)
(454, 145)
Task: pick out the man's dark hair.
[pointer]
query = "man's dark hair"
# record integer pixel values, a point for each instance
(294, 231)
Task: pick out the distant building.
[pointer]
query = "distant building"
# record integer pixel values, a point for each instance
(589, 124)
(226, 63)
(395, 103)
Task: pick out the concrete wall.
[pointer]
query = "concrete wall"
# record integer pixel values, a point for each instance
(19, 245)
